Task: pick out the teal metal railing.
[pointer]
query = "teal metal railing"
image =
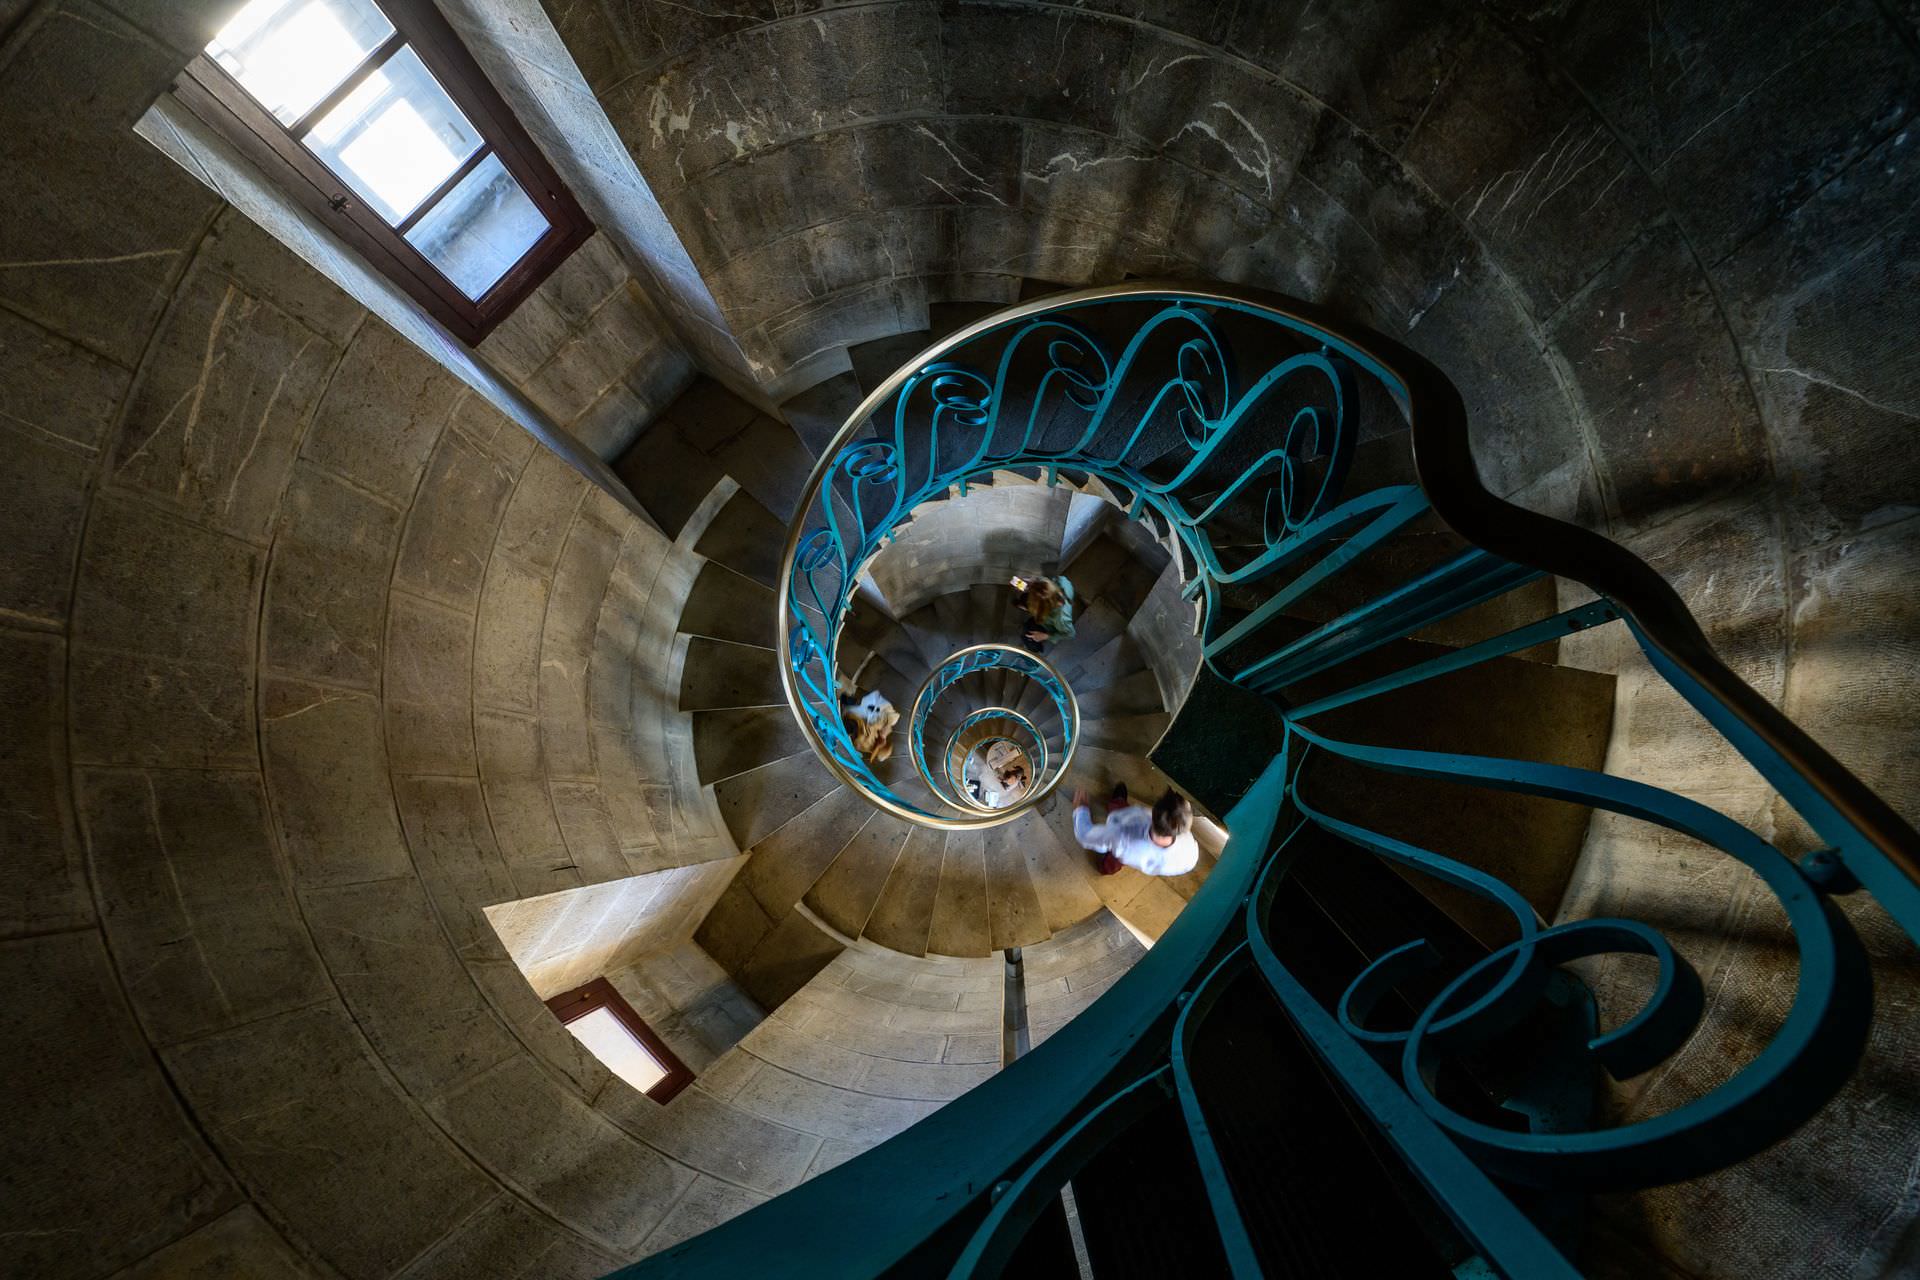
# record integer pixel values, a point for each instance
(1228, 420)
(1049, 745)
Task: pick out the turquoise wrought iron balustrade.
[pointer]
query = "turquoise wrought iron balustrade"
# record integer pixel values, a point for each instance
(1005, 725)
(953, 672)
(1138, 388)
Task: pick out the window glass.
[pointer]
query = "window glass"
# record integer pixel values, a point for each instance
(289, 54)
(480, 229)
(396, 137)
(608, 1039)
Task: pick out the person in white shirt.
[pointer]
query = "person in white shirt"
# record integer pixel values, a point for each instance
(1157, 841)
(870, 720)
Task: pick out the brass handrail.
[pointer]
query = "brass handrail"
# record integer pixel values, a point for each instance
(1040, 791)
(1443, 458)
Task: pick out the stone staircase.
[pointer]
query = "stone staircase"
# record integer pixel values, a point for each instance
(826, 868)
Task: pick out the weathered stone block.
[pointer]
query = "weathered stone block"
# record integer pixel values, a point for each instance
(298, 1106)
(526, 339)
(567, 1159)
(95, 237)
(144, 710)
(541, 510)
(266, 268)
(326, 581)
(1378, 65)
(327, 771)
(588, 830)
(1741, 119)
(64, 1036)
(506, 657)
(195, 901)
(454, 851)
(823, 1109)
(1673, 418)
(42, 879)
(1215, 115)
(214, 423)
(706, 1204)
(428, 687)
(509, 1234)
(238, 1245)
(705, 1133)
(497, 435)
(1531, 170)
(791, 79)
(154, 584)
(43, 501)
(407, 989)
(453, 521)
(382, 413)
(1821, 302)
(54, 391)
(1076, 76)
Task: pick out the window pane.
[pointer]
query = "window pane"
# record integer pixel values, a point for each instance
(608, 1039)
(396, 137)
(482, 227)
(289, 54)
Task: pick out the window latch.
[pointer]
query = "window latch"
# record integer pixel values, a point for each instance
(338, 204)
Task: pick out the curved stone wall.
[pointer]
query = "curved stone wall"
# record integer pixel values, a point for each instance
(265, 560)
(311, 655)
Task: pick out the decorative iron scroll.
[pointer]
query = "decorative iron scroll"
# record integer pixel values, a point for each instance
(1226, 420)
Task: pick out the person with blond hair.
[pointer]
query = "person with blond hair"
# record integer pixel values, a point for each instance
(1155, 842)
(870, 719)
(1049, 606)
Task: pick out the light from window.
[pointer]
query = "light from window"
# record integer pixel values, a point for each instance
(387, 129)
(289, 54)
(396, 138)
(485, 225)
(608, 1039)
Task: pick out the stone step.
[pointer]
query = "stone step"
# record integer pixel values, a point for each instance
(733, 740)
(726, 605)
(844, 894)
(1060, 877)
(903, 915)
(758, 801)
(818, 412)
(873, 362)
(747, 538)
(1134, 735)
(960, 925)
(1015, 917)
(1134, 694)
(770, 957)
(785, 863)
(722, 673)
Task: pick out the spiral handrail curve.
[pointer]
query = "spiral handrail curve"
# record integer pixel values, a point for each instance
(1009, 1131)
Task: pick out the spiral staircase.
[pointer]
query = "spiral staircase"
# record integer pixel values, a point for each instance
(825, 865)
(1297, 605)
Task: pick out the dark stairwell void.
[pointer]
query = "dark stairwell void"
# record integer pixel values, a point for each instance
(1664, 252)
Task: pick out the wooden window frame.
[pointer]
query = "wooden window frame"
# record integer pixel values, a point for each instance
(600, 994)
(216, 98)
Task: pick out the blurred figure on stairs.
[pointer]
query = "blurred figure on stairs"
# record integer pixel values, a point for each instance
(1049, 606)
(870, 719)
(1157, 841)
